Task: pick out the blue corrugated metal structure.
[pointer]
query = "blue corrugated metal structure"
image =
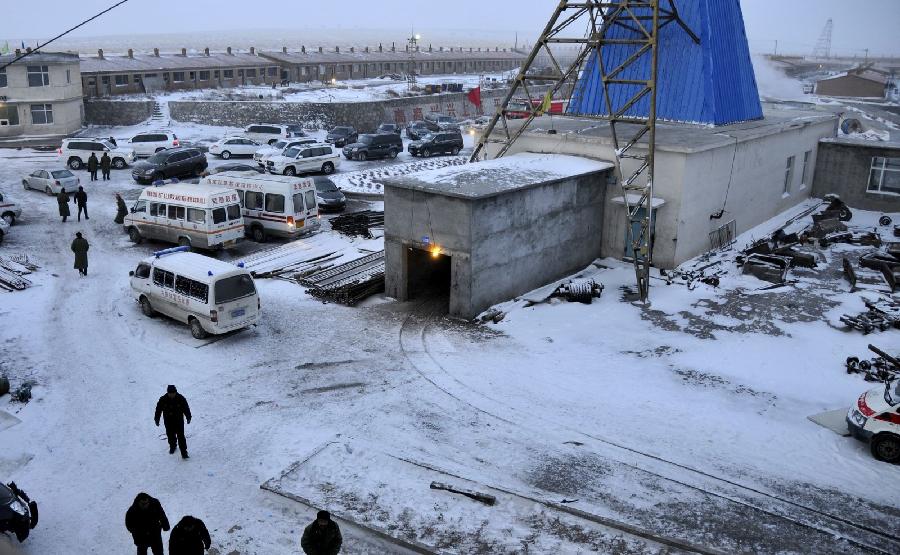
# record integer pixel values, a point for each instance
(711, 82)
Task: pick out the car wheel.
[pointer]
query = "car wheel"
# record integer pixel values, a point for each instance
(886, 447)
(135, 235)
(454, 151)
(361, 156)
(272, 142)
(22, 533)
(197, 330)
(48, 190)
(290, 170)
(146, 308)
(1, 237)
(327, 168)
(118, 163)
(426, 153)
(75, 163)
(158, 176)
(9, 217)
(225, 155)
(25, 185)
(258, 234)
(392, 154)
(184, 242)
(198, 171)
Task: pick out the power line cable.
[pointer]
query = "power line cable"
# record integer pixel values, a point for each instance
(86, 21)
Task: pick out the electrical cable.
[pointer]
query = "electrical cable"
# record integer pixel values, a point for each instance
(37, 48)
(721, 212)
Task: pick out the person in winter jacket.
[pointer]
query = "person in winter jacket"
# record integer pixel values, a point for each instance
(80, 247)
(322, 537)
(63, 200)
(92, 166)
(105, 163)
(173, 407)
(81, 201)
(146, 520)
(121, 209)
(189, 537)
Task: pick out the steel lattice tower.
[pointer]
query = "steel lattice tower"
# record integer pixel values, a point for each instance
(823, 45)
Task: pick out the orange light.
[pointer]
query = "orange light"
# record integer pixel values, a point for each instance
(435, 251)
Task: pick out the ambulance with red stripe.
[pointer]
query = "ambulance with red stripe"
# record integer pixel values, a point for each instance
(273, 205)
(199, 216)
(876, 419)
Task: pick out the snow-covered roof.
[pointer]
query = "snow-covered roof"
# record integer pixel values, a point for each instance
(165, 62)
(194, 266)
(500, 175)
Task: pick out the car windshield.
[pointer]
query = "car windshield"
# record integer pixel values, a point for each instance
(428, 137)
(892, 397)
(280, 144)
(107, 144)
(325, 186)
(341, 131)
(61, 174)
(233, 288)
(158, 158)
(291, 152)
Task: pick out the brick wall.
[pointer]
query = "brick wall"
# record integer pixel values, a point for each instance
(116, 112)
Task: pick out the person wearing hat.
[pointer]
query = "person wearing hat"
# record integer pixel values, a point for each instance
(80, 247)
(121, 209)
(322, 537)
(63, 200)
(81, 201)
(146, 521)
(174, 409)
(92, 164)
(189, 537)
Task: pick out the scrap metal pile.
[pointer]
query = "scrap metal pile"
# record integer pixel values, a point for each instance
(883, 368)
(13, 268)
(347, 283)
(358, 224)
(880, 315)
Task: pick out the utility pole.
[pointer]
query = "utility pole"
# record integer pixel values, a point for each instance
(776, 48)
(413, 46)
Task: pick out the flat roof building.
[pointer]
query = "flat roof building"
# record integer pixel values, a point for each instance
(861, 83)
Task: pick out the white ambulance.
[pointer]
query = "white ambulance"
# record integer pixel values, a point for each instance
(876, 419)
(211, 296)
(273, 205)
(200, 216)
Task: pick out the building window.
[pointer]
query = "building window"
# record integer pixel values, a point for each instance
(137, 79)
(228, 73)
(105, 79)
(788, 175)
(884, 177)
(38, 76)
(807, 158)
(251, 73)
(192, 76)
(178, 76)
(204, 76)
(216, 74)
(273, 72)
(9, 115)
(3, 77)
(41, 114)
(149, 76)
(121, 80)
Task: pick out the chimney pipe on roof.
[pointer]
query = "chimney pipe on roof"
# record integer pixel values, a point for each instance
(228, 50)
(284, 49)
(441, 49)
(131, 53)
(99, 53)
(156, 52)
(303, 49)
(352, 49)
(393, 47)
(206, 51)
(380, 47)
(18, 52)
(407, 48)
(28, 49)
(337, 48)
(184, 52)
(429, 48)
(367, 49)
(321, 50)
(451, 49)
(252, 50)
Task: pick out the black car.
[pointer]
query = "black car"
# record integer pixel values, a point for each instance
(328, 196)
(340, 136)
(296, 130)
(175, 162)
(374, 146)
(445, 142)
(236, 167)
(415, 130)
(388, 129)
(18, 513)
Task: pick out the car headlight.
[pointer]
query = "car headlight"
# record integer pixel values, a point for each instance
(19, 508)
(148, 171)
(858, 418)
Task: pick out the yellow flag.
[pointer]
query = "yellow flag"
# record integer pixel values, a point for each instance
(545, 105)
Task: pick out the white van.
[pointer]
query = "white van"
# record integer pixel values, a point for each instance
(305, 159)
(276, 205)
(211, 296)
(199, 216)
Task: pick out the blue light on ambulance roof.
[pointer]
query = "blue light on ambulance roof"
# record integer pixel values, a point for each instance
(173, 250)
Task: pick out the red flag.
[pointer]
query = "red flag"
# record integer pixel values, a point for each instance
(474, 96)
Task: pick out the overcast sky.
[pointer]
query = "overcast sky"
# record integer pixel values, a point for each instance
(796, 24)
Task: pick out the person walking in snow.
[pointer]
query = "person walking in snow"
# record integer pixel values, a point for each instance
(189, 537)
(105, 163)
(121, 209)
(63, 200)
(81, 201)
(174, 407)
(322, 537)
(80, 247)
(146, 521)
(92, 166)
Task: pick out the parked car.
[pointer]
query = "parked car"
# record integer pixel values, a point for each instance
(149, 143)
(235, 167)
(296, 130)
(444, 142)
(341, 136)
(875, 419)
(176, 162)
(77, 151)
(442, 121)
(305, 159)
(9, 210)
(374, 146)
(51, 181)
(18, 513)
(415, 130)
(388, 129)
(262, 154)
(266, 133)
(328, 195)
(4, 229)
(233, 146)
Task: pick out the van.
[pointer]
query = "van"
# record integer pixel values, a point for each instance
(272, 205)
(875, 419)
(149, 143)
(266, 133)
(200, 216)
(211, 296)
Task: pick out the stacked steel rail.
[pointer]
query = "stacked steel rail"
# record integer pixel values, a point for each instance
(348, 283)
(358, 223)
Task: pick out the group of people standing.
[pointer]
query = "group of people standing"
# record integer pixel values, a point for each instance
(80, 245)
(104, 164)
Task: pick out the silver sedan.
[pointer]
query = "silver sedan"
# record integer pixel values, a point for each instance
(51, 181)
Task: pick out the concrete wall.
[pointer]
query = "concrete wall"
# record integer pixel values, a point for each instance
(117, 112)
(844, 167)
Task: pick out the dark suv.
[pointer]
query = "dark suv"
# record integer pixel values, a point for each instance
(340, 136)
(415, 130)
(374, 146)
(444, 142)
(176, 162)
(388, 129)
(18, 513)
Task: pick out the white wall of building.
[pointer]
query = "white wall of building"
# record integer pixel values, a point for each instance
(62, 94)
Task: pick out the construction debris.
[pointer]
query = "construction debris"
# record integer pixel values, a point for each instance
(4, 385)
(347, 283)
(358, 224)
(883, 368)
(485, 498)
(579, 290)
(880, 315)
(12, 269)
(767, 267)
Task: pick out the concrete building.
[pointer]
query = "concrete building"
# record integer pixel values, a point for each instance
(862, 83)
(487, 232)
(711, 184)
(40, 97)
(866, 174)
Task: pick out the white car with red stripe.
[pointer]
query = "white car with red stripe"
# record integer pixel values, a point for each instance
(876, 419)
(9, 210)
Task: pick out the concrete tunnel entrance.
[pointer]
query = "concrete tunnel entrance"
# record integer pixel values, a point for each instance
(428, 276)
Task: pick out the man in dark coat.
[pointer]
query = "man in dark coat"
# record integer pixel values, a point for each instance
(322, 537)
(189, 537)
(81, 201)
(146, 520)
(121, 209)
(63, 200)
(173, 406)
(92, 166)
(80, 247)
(105, 163)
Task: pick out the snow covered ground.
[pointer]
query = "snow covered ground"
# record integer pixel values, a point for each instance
(687, 418)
